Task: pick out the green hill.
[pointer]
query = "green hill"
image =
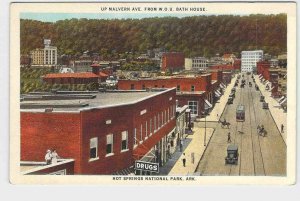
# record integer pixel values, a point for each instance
(195, 36)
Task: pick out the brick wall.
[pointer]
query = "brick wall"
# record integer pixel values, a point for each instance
(43, 131)
(172, 61)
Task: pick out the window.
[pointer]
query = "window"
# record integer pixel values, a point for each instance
(158, 122)
(163, 86)
(141, 139)
(193, 105)
(93, 148)
(162, 118)
(165, 116)
(154, 123)
(178, 88)
(155, 86)
(146, 131)
(143, 87)
(109, 144)
(135, 139)
(150, 126)
(192, 88)
(124, 140)
(132, 86)
(168, 114)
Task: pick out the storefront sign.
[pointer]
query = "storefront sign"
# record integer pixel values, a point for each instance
(145, 166)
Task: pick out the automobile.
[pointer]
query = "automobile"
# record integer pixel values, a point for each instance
(233, 90)
(232, 154)
(262, 98)
(265, 105)
(232, 94)
(230, 101)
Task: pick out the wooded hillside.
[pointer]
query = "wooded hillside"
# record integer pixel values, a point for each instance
(195, 36)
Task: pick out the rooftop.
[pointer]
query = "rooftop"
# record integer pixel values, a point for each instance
(98, 100)
(75, 75)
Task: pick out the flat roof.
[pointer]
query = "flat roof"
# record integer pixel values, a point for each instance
(101, 100)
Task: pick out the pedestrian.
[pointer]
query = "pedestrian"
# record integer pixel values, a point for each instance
(55, 156)
(228, 138)
(169, 150)
(183, 159)
(181, 145)
(48, 157)
(282, 127)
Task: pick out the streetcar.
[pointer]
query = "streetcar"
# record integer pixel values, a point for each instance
(240, 113)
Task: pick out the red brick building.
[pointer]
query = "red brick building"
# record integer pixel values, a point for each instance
(268, 75)
(105, 135)
(198, 92)
(172, 61)
(77, 78)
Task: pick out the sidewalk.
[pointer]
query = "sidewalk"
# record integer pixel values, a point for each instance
(217, 111)
(277, 113)
(196, 147)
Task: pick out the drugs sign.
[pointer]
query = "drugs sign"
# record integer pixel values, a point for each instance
(146, 166)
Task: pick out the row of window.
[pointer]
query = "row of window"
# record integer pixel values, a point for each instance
(159, 121)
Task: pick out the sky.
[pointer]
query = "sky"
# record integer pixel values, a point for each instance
(53, 17)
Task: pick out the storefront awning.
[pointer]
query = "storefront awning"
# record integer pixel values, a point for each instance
(207, 104)
(280, 99)
(216, 93)
(283, 101)
(271, 88)
(223, 85)
(259, 76)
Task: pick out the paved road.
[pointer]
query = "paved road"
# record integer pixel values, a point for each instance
(257, 155)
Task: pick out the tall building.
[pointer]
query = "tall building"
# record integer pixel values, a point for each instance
(46, 56)
(249, 60)
(37, 56)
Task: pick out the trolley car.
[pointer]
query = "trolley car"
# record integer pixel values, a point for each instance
(240, 113)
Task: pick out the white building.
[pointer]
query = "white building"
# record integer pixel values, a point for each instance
(188, 64)
(46, 56)
(199, 63)
(249, 59)
(50, 53)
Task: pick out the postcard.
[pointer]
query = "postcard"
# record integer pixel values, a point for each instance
(153, 93)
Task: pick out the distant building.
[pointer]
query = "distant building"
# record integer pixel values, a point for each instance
(249, 60)
(188, 63)
(173, 61)
(199, 63)
(46, 56)
(228, 58)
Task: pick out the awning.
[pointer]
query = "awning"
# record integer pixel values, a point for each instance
(259, 76)
(207, 104)
(280, 99)
(217, 95)
(218, 92)
(224, 86)
(271, 89)
(283, 101)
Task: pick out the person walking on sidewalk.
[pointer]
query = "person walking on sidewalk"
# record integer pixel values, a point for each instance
(183, 159)
(228, 138)
(181, 145)
(282, 127)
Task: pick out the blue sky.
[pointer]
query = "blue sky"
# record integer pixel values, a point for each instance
(53, 17)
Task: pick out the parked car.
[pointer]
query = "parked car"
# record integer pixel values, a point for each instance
(265, 105)
(262, 98)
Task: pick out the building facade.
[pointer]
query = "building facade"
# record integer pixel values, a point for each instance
(46, 56)
(249, 60)
(172, 61)
(105, 136)
(199, 63)
(197, 92)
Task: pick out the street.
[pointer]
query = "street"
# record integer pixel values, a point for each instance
(258, 155)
